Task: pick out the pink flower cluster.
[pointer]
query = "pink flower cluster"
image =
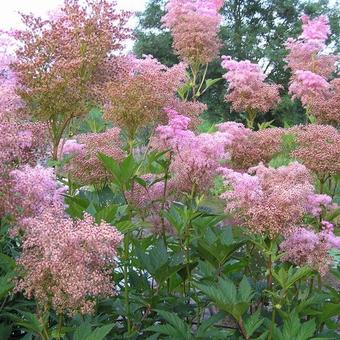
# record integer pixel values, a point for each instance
(131, 100)
(318, 148)
(194, 26)
(307, 247)
(306, 85)
(305, 53)
(69, 147)
(84, 167)
(20, 144)
(315, 29)
(326, 107)
(195, 157)
(67, 264)
(273, 201)
(34, 190)
(10, 101)
(247, 90)
(255, 147)
(311, 70)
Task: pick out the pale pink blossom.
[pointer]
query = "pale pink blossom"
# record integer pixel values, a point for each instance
(195, 158)
(305, 247)
(85, 167)
(194, 26)
(66, 264)
(247, 90)
(306, 85)
(272, 201)
(315, 29)
(33, 190)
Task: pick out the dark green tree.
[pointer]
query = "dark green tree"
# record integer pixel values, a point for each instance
(251, 29)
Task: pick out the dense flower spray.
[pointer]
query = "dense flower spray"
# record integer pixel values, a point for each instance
(34, 190)
(326, 107)
(306, 85)
(59, 57)
(304, 247)
(10, 102)
(20, 144)
(191, 172)
(247, 90)
(66, 264)
(305, 53)
(136, 95)
(84, 167)
(318, 148)
(272, 201)
(254, 147)
(194, 26)
(311, 70)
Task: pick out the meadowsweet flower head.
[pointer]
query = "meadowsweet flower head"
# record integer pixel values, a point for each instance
(315, 29)
(307, 52)
(85, 167)
(69, 147)
(10, 102)
(67, 264)
(20, 144)
(59, 55)
(326, 107)
(246, 87)
(304, 247)
(190, 170)
(194, 26)
(272, 201)
(306, 85)
(132, 100)
(34, 190)
(318, 148)
(254, 147)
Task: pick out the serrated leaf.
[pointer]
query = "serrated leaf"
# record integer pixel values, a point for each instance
(206, 324)
(82, 331)
(245, 291)
(166, 330)
(252, 323)
(100, 333)
(307, 330)
(174, 320)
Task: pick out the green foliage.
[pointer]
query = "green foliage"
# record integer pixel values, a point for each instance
(227, 297)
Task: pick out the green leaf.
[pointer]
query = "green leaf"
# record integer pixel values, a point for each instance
(6, 262)
(211, 82)
(82, 331)
(252, 323)
(100, 333)
(245, 291)
(5, 331)
(228, 290)
(113, 166)
(307, 330)
(206, 324)
(166, 330)
(175, 321)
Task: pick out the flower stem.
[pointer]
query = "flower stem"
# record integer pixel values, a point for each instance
(126, 283)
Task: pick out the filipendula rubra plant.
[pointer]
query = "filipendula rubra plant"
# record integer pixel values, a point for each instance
(58, 57)
(312, 71)
(192, 265)
(247, 90)
(194, 26)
